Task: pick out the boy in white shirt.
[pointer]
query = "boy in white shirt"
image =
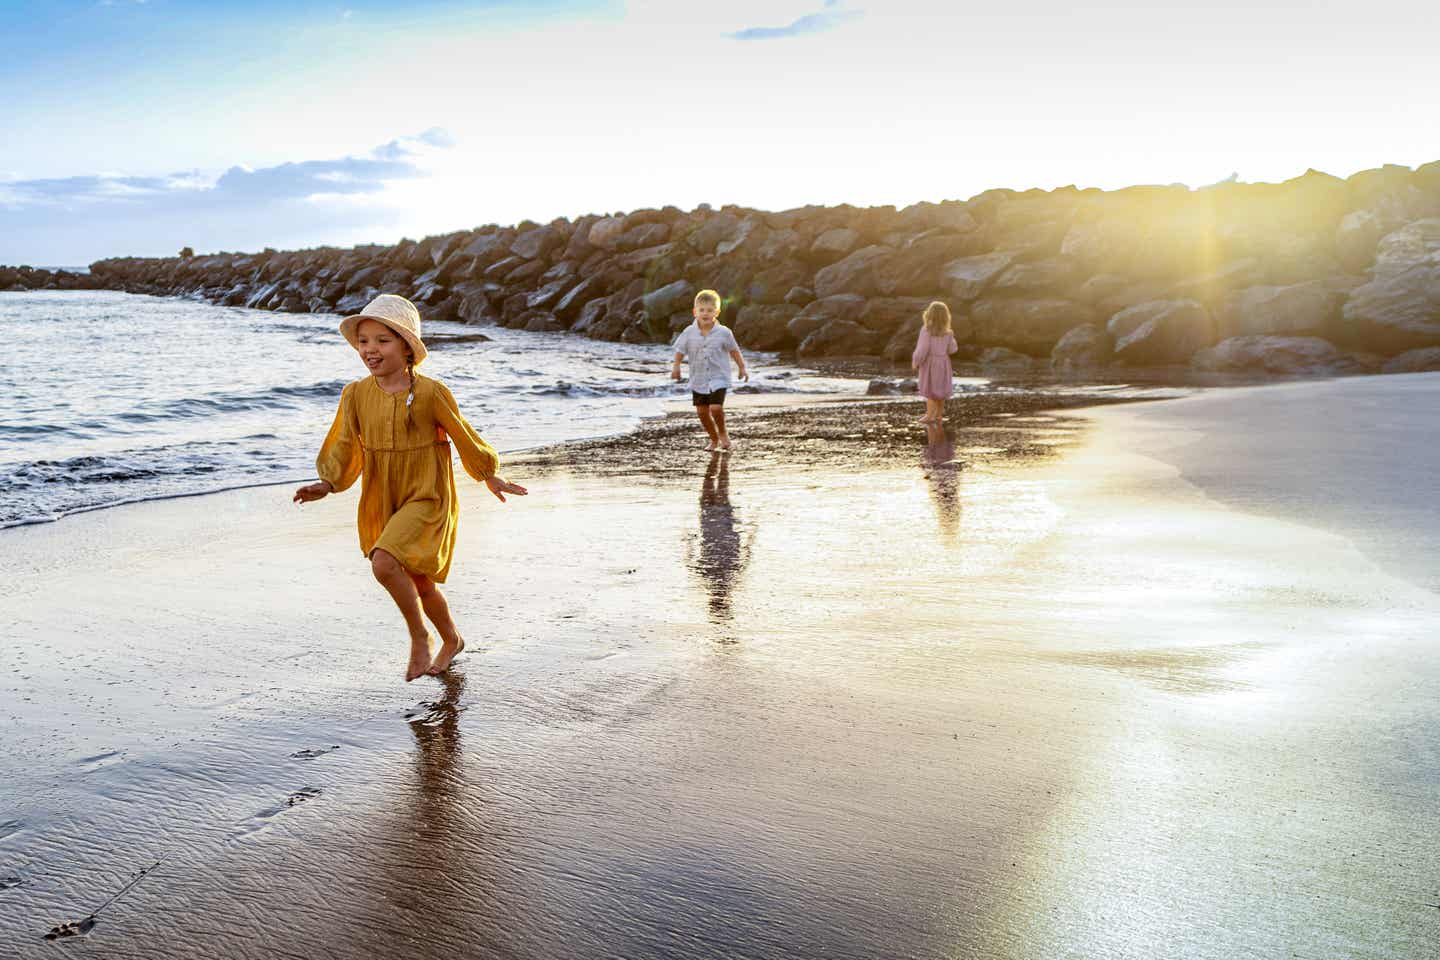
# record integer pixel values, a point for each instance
(710, 346)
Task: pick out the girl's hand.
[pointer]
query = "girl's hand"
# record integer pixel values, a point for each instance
(744, 374)
(313, 491)
(675, 373)
(501, 487)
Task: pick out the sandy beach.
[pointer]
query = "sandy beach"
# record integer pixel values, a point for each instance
(1132, 680)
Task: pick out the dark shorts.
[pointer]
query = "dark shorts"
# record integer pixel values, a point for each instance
(712, 399)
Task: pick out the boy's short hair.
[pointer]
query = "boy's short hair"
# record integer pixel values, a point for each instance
(708, 296)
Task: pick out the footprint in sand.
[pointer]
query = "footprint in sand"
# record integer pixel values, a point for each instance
(77, 928)
(314, 752)
(10, 883)
(263, 819)
(301, 795)
(99, 760)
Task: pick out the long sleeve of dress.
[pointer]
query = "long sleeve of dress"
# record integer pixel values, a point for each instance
(476, 456)
(950, 345)
(922, 348)
(341, 455)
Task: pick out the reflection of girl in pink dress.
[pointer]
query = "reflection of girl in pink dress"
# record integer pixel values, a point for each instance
(931, 361)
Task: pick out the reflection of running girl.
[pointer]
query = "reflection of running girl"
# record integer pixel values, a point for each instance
(724, 551)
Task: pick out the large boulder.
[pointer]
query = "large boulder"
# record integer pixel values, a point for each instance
(834, 244)
(1036, 277)
(887, 314)
(966, 278)
(1161, 332)
(1414, 361)
(1005, 360)
(533, 244)
(476, 307)
(525, 272)
(843, 306)
(1110, 293)
(567, 308)
(1031, 241)
(639, 261)
(1309, 309)
(857, 273)
(605, 233)
(488, 248)
(1356, 239)
(1276, 355)
(840, 338)
(916, 269)
(1030, 326)
(1085, 347)
(901, 345)
(644, 235)
(774, 283)
(659, 305)
(546, 297)
(709, 234)
(764, 326)
(1399, 309)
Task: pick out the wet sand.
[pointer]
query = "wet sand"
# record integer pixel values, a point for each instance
(1048, 686)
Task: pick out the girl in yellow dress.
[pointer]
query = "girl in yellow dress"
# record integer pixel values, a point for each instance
(395, 428)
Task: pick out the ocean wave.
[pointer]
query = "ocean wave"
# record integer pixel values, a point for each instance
(284, 396)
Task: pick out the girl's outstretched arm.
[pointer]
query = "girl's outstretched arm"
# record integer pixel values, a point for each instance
(340, 455)
(476, 456)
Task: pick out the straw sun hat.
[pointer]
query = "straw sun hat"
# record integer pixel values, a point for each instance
(395, 312)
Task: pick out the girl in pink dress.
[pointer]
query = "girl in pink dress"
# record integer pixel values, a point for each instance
(931, 361)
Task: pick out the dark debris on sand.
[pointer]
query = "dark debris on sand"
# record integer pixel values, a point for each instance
(990, 425)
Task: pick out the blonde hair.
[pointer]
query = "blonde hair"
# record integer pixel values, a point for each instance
(708, 296)
(937, 318)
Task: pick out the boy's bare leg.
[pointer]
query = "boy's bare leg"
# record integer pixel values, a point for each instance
(438, 610)
(394, 578)
(717, 413)
(707, 420)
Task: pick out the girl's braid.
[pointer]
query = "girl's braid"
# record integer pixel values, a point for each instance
(410, 394)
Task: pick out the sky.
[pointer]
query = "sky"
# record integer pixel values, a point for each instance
(136, 127)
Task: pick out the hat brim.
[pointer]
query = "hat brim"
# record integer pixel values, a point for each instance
(350, 324)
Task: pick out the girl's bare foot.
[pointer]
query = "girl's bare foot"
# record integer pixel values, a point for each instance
(420, 658)
(447, 654)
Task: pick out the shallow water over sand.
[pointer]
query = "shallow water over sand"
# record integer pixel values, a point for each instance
(113, 398)
(871, 700)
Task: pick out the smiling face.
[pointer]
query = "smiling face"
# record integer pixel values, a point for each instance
(383, 351)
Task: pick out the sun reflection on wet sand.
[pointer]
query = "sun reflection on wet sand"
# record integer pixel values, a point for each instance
(1103, 716)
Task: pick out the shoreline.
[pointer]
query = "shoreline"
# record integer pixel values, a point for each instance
(671, 409)
(837, 694)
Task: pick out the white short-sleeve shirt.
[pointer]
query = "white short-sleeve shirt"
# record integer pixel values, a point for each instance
(709, 356)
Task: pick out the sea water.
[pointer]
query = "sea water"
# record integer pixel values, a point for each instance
(112, 398)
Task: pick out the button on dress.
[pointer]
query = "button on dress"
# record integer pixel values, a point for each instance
(408, 505)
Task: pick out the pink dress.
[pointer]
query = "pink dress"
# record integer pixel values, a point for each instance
(932, 361)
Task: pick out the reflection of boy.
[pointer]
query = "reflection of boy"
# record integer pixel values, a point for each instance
(709, 345)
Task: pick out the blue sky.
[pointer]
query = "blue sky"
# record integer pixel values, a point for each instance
(140, 127)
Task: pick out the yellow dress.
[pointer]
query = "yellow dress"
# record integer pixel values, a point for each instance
(408, 505)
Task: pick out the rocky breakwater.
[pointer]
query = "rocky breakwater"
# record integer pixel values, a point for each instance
(16, 279)
(1313, 275)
